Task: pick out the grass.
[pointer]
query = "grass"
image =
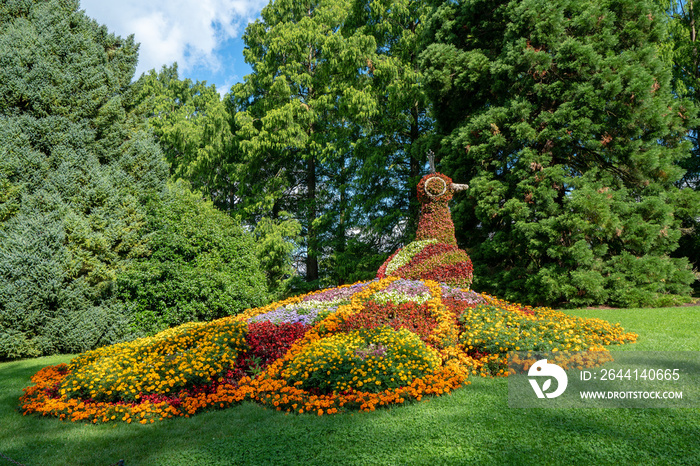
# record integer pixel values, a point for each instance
(473, 425)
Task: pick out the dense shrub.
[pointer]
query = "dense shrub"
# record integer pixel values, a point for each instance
(83, 199)
(198, 265)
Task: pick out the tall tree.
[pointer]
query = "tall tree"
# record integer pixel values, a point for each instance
(390, 153)
(75, 170)
(297, 112)
(193, 126)
(561, 115)
(196, 130)
(684, 53)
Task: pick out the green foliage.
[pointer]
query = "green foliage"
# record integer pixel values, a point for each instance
(388, 154)
(75, 170)
(562, 116)
(331, 127)
(682, 52)
(199, 265)
(303, 134)
(276, 241)
(43, 310)
(195, 129)
(83, 201)
(192, 125)
(297, 115)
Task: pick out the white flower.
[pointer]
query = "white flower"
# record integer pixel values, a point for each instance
(405, 255)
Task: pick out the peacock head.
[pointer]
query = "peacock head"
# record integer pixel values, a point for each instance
(436, 187)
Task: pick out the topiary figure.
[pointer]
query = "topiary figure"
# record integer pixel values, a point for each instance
(434, 254)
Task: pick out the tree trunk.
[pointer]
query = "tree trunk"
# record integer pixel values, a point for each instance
(311, 240)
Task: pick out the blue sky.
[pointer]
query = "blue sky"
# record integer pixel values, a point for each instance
(202, 36)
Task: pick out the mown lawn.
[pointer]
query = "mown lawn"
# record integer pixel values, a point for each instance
(473, 425)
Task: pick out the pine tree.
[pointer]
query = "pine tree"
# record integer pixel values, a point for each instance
(560, 116)
(684, 53)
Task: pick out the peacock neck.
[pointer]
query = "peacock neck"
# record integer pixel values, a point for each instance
(436, 223)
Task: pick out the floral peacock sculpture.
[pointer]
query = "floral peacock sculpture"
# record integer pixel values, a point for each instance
(434, 254)
(414, 331)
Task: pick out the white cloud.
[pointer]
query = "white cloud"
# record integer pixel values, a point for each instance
(188, 32)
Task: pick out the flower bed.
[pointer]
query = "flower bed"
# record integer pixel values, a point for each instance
(368, 345)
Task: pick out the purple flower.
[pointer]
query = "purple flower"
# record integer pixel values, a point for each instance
(408, 288)
(296, 314)
(337, 294)
(376, 350)
(469, 296)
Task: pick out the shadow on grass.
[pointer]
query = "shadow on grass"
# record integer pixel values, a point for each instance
(478, 415)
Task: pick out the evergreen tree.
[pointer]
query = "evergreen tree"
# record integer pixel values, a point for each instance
(560, 116)
(74, 172)
(196, 131)
(193, 127)
(297, 116)
(684, 52)
(83, 198)
(390, 152)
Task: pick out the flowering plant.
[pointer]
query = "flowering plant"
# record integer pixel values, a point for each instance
(267, 342)
(173, 360)
(345, 362)
(362, 355)
(417, 318)
(435, 221)
(439, 262)
(407, 253)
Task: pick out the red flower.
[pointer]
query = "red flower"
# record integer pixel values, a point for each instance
(414, 317)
